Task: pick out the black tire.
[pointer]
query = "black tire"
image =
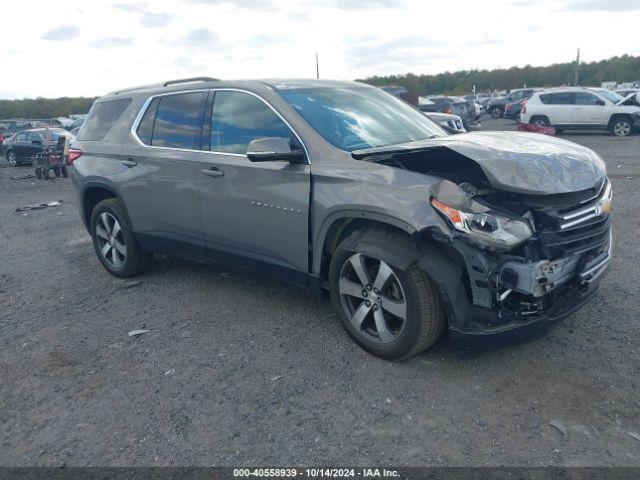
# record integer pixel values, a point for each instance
(518, 118)
(39, 173)
(45, 173)
(424, 320)
(56, 171)
(135, 261)
(12, 158)
(64, 171)
(621, 127)
(540, 121)
(496, 112)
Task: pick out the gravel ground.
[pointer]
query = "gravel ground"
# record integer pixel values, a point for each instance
(239, 370)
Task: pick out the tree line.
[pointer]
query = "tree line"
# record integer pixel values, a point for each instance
(620, 69)
(44, 107)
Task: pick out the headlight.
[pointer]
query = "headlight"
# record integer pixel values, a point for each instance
(494, 231)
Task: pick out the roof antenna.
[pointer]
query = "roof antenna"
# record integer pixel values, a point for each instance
(317, 67)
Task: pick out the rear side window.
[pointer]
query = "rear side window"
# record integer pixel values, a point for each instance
(178, 121)
(239, 118)
(101, 119)
(561, 98)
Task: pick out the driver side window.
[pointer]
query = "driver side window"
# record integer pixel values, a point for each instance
(239, 117)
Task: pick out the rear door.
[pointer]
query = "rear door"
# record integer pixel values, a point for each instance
(254, 212)
(560, 110)
(588, 109)
(159, 181)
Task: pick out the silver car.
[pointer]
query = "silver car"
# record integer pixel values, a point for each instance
(339, 187)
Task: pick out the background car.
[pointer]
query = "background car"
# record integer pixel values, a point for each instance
(495, 106)
(512, 110)
(20, 147)
(451, 105)
(451, 123)
(581, 108)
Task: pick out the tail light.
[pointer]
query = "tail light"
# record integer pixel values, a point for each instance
(74, 154)
(524, 107)
(448, 110)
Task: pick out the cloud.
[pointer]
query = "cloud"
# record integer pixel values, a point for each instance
(361, 4)
(200, 37)
(148, 18)
(153, 20)
(255, 4)
(403, 51)
(64, 32)
(109, 42)
(264, 40)
(603, 5)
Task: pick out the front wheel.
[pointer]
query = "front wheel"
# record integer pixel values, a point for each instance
(389, 311)
(113, 240)
(621, 127)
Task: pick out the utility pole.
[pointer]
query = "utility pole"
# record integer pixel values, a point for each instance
(317, 67)
(575, 78)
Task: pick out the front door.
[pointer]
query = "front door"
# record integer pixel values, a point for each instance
(588, 109)
(253, 213)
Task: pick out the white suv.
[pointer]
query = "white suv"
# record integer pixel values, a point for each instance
(582, 108)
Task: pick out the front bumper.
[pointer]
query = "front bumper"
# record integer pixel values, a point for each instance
(473, 327)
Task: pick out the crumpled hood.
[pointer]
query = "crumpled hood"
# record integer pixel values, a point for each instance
(519, 162)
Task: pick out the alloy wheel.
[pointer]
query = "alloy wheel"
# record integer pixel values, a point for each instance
(540, 123)
(111, 240)
(621, 129)
(373, 298)
(13, 158)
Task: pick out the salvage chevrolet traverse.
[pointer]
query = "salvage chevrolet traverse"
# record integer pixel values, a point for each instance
(341, 187)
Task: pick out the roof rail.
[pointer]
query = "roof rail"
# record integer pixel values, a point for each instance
(189, 80)
(164, 84)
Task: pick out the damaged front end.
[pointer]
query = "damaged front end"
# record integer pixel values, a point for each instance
(518, 262)
(528, 236)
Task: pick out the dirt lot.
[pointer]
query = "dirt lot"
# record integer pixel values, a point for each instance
(239, 370)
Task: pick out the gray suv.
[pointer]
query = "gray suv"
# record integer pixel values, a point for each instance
(340, 187)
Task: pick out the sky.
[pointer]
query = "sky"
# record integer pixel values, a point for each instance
(90, 47)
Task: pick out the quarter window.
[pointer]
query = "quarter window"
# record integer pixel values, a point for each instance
(101, 119)
(178, 121)
(238, 118)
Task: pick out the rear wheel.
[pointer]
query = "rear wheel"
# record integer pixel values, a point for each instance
(64, 171)
(621, 127)
(113, 240)
(39, 173)
(56, 171)
(540, 121)
(389, 311)
(496, 112)
(518, 118)
(12, 158)
(45, 173)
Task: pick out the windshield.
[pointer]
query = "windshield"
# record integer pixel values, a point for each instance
(356, 118)
(612, 96)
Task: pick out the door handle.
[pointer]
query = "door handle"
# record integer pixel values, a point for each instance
(129, 163)
(212, 172)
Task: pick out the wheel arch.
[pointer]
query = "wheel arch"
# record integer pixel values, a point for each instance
(92, 194)
(620, 116)
(343, 224)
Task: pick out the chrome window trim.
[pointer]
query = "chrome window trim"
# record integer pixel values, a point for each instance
(145, 106)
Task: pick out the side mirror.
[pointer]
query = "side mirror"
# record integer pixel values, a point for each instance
(600, 102)
(273, 149)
